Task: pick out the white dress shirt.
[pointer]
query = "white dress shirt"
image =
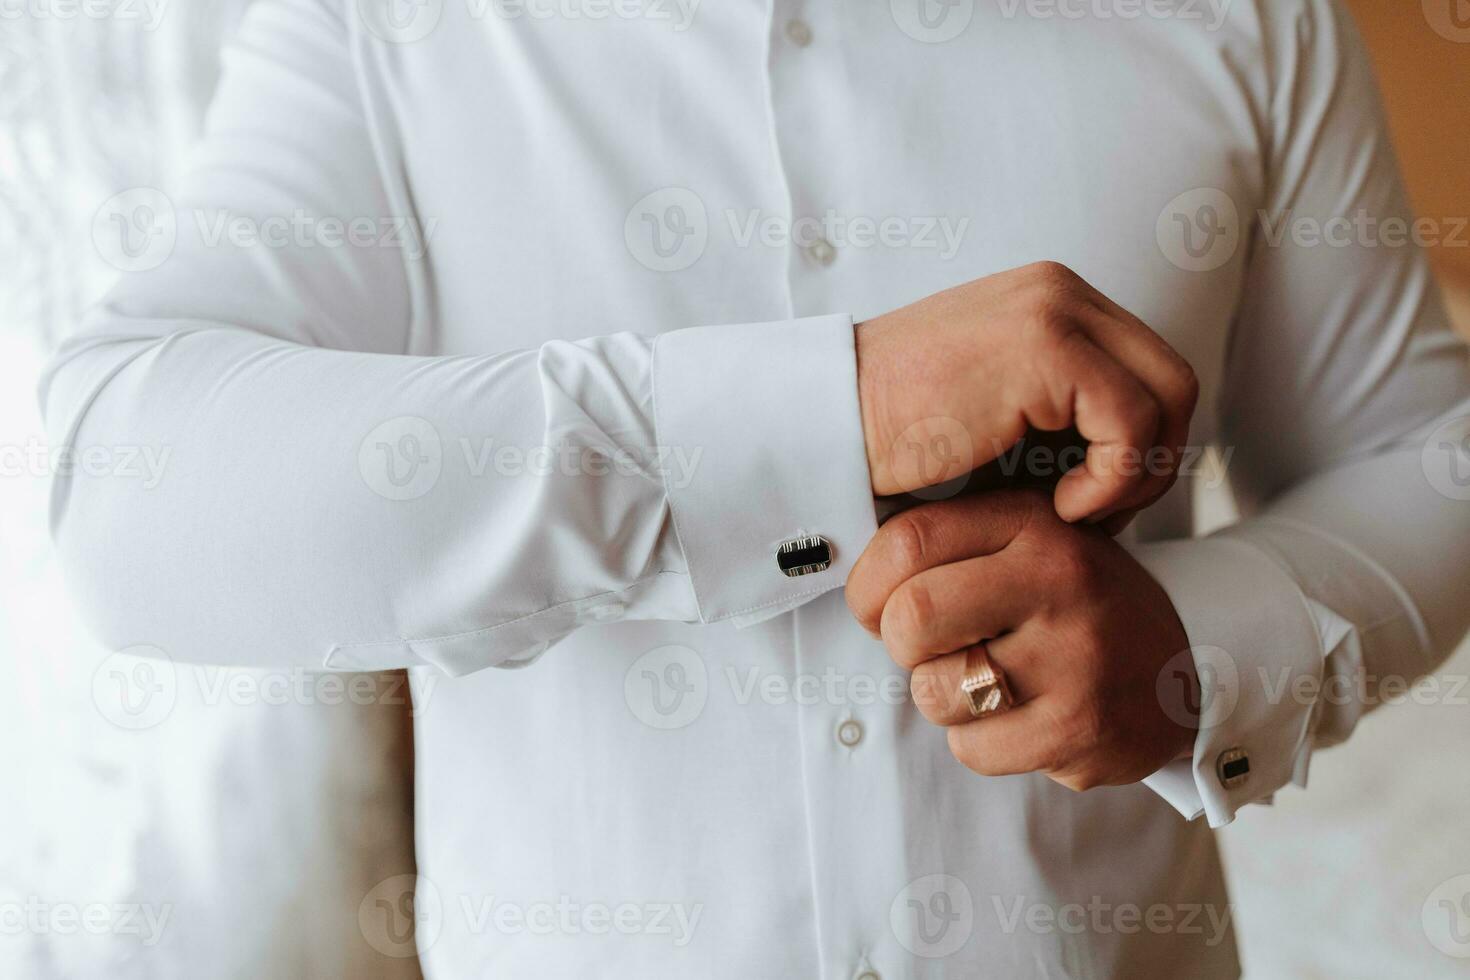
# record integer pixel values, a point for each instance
(440, 338)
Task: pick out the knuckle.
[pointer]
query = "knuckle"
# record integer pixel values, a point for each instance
(1075, 561)
(862, 608)
(1141, 417)
(910, 608)
(1187, 385)
(910, 537)
(928, 694)
(965, 753)
(1085, 726)
(1052, 273)
(1079, 782)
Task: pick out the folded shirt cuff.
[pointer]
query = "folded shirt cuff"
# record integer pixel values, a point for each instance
(768, 413)
(1258, 652)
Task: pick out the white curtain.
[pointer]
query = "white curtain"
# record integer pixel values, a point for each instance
(156, 820)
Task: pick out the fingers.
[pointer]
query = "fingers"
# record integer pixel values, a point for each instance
(1115, 413)
(1017, 741)
(935, 685)
(957, 605)
(1025, 738)
(1165, 375)
(932, 535)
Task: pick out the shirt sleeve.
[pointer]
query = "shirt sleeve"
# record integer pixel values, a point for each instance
(1345, 416)
(320, 497)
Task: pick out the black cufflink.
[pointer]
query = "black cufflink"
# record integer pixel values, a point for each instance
(804, 555)
(1233, 767)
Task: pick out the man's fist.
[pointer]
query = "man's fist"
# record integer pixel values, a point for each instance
(1080, 629)
(950, 382)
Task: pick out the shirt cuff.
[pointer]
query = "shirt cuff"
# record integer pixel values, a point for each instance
(1258, 652)
(768, 416)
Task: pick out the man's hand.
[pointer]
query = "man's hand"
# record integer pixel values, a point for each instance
(1080, 629)
(1033, 348)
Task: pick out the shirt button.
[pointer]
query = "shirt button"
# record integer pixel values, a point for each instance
(799, 33)
(850, 733)
(821, 252)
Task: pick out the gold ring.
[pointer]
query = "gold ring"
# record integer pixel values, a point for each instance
(984, 684)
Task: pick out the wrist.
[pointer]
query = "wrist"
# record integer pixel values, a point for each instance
(876, 444)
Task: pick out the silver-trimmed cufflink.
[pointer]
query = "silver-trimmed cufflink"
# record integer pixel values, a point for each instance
(804, 555)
